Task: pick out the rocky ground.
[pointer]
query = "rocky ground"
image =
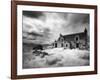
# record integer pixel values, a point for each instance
(56, 57)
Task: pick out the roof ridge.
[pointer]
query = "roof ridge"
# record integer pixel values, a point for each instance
(73, 33)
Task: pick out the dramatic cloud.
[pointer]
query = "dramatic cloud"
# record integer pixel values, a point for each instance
(45, 27)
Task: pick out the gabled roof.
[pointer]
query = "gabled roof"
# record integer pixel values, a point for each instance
(82, 34)
(71, 37)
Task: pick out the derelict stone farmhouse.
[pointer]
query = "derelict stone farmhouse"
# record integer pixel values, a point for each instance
(72, 41)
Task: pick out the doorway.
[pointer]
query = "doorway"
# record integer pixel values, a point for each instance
(55, 45)
(77, 45)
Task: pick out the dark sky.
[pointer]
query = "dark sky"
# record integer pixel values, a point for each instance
(45, 27)
(32, 14)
